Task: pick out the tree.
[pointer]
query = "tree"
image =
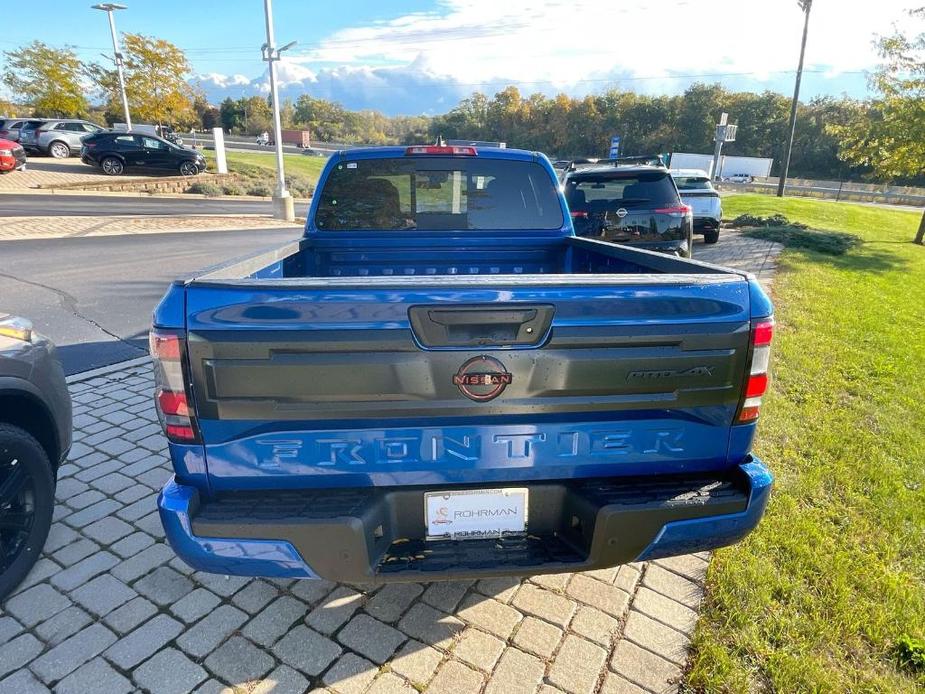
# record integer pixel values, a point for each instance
(155, 81)
(890, 137)
(50, 79)
(230, 115)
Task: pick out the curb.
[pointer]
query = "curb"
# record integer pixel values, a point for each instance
(104, 370)
(140, 194)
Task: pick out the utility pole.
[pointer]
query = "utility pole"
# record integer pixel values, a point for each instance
(806, 6)
(282, 201)
(718, 149)
(109, 8)
(724, 133)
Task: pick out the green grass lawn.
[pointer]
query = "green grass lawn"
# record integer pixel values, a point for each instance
(821, 596)
(310, 167)
(256, 173)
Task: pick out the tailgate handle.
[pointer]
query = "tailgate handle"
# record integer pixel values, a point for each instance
(481, 326)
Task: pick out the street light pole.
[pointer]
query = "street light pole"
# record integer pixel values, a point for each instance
(109, 8)
(282, 200)
(806, 6)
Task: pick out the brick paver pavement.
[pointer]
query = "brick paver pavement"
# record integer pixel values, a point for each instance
(109, 608)
(742, 253)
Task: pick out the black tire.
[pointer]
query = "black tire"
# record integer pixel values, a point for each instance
(189, 168)
(27, 499)
(711, 236)
(112, 166)
(59, 150)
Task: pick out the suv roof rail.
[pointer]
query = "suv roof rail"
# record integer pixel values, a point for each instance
(637, 160)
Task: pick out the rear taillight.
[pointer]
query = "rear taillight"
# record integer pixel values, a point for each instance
(171, 394)
(757, 383)
(675, 211)
(578, 214)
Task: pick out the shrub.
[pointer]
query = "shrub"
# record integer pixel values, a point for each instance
(775, 220)
(260, 189)
(301, 187)
(828, 242)
(232, 188)
(205, 188)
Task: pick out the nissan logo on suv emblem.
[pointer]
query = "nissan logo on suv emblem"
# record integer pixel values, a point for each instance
(621, 213)
(482, 378)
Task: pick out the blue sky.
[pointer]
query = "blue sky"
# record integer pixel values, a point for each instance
(406, 56)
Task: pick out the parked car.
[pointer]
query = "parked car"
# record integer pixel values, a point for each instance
(697, 191)
(739, 178)
(310, 152)
(631, 203)
(35, 436)
(57, 138)
(116, 152)
(12, 156)
(10, 130)
(439, 380)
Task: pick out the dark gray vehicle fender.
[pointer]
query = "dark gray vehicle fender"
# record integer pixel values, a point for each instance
(57, 422)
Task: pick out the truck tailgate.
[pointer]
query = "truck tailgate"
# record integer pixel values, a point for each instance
(418, 381)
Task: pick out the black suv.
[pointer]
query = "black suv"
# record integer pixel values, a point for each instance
(117, 152)
(631, 201)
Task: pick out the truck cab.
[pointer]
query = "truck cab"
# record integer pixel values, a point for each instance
(440, 380)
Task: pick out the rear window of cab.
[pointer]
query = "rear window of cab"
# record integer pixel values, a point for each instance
(430, 193)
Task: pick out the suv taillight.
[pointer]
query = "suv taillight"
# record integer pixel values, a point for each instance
(171, 394)
(675, 210)
(757, 382)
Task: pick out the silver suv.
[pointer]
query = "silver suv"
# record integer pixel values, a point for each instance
(59, 138)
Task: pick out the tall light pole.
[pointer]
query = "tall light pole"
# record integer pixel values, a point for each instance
(806, 6)
(109, 8)
(282, 201)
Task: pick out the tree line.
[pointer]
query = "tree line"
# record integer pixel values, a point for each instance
(567, 126)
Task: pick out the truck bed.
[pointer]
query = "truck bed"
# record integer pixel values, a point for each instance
(441, 256)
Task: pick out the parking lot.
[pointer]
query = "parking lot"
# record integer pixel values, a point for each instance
(109, 607)
(47, 172)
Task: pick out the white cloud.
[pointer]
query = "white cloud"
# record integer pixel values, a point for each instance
(426, 61)
(582, 41)
(223, 81)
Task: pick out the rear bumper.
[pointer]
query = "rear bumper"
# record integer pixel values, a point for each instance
(706, 223)
(376, 535)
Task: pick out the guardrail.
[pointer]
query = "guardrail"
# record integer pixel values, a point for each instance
(835, 190)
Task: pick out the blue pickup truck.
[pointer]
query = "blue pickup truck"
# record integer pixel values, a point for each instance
(440, 380)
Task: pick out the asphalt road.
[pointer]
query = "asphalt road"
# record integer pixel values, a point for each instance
(13, 205)
(94, 295)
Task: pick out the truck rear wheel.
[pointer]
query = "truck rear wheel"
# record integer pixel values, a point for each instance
(27, 493)
(711, 236)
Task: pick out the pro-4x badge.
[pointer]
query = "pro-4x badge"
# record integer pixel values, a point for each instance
(482, 378)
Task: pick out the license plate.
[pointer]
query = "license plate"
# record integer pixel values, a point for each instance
(475, 514)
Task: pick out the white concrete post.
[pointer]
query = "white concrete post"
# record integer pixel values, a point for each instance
(221, 165)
